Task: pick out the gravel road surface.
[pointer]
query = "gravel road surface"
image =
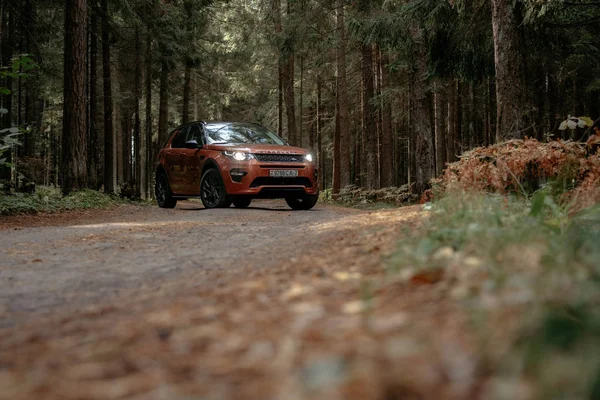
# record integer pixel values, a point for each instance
(91, 260)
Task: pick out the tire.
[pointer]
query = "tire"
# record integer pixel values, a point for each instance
(212, 190)
(305, 202)
(162, 191)
(242, 201)
(227, 204)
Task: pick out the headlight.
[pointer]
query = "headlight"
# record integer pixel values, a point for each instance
(238, 155)
(308, 157)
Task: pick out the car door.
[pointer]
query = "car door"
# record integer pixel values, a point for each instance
(192, 162)
(174, 160)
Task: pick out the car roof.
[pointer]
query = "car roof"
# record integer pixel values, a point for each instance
(214, 123)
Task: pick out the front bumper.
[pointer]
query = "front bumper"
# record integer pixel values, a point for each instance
(251, 178)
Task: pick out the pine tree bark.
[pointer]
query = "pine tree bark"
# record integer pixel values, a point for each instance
(8, 28)
(279, 99)
(343, 148)
(93, 153)
(148, 124)
(440, 127)
(387, 137)
(421, 123)
(320, 158)
(289, 97)
(511, 81)
(335, 184)
(73, 161)
(126, 133)
(163, 107)
(458, 112)
(369, 123)
(287, 55)
(109, 170)
(187, 87)
(29, 106)
(276, 9)
(451, 123)
(378, 108)
(137, 136)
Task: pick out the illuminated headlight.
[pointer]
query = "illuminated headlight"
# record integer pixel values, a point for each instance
(238, 155)
(308, 157)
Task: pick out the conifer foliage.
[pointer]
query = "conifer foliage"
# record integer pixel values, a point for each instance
(385, 93)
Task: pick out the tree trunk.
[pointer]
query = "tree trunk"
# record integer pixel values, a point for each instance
(378, 106)
(421, 124)
(187, 85)
(343, 143)
(137, 137)
(387, 137)
(458, 119)
(301, 105)
(440, 127)
(472, 118)
(335, 185)
(369, 123)
(278, 28)
(73, 165)
(163, 108)
(93, 153)
(109, 171)
(320, 158)
(29, 27)
(451, 123)
(511, 81)
(148, 127)
(8, 27)
(289, 98)
(279, 99)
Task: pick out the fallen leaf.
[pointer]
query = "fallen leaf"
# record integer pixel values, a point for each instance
(428, 277)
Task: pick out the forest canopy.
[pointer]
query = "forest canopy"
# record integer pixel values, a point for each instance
(385, 93)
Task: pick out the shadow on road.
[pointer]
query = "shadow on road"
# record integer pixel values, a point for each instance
(249, 208)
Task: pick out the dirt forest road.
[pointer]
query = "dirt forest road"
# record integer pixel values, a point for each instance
(44, 269)
(263, 303)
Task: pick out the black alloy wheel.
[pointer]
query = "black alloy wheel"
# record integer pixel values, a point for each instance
(163, 194)
(305, 202)
(242, 201)
(212, 190)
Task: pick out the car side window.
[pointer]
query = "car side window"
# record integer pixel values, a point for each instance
(179, 140)
(195, 134)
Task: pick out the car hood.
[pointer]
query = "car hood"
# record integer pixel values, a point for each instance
(259, 148)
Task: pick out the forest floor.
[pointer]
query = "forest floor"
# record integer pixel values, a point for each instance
(264, 303)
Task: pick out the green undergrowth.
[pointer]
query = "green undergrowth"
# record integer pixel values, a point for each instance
(528, 275)
(49, 199)
(357, 197)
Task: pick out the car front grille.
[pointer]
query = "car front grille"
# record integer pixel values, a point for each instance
(280, 157)
(269, 181)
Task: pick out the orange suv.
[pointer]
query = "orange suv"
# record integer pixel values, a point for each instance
(234, 162)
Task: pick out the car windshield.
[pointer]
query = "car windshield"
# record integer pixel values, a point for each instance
(240, 133)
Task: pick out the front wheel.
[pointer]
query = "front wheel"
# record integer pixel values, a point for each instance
(242, 201)
(305, 202)
(212, 190)
(163, 194)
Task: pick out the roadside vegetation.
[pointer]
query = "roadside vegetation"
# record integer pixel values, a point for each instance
(528, 274)
(50, 199)
(513, 237)
(358, 197)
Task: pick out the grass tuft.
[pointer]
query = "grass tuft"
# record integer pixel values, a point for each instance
(49, 199)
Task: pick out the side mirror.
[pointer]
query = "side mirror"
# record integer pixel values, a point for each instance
(192, 144)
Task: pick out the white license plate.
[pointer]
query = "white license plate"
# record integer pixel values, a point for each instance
(283, 173)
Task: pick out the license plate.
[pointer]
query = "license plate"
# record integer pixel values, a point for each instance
(283, 173)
